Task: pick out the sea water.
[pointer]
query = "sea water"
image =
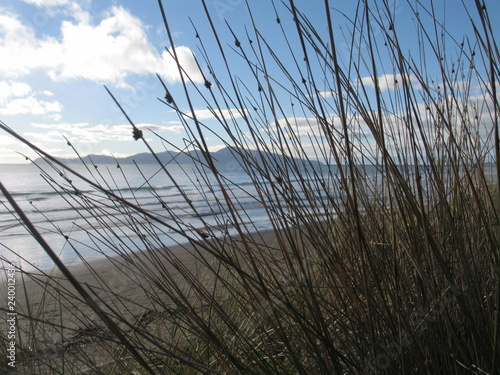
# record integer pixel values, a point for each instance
(92, 224)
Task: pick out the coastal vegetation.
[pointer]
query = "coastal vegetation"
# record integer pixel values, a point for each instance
(376, 164)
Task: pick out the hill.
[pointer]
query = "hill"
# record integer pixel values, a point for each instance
(228, 157)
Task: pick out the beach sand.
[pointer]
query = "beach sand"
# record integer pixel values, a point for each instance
(69, 323)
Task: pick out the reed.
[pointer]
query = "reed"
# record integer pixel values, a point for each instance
(383, 256)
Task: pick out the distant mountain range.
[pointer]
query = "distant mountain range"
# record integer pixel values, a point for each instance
(229, 157)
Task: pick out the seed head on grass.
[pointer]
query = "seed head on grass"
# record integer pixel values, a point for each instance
(137, 133)
(169, 98)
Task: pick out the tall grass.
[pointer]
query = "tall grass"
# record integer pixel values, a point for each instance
(384, 257)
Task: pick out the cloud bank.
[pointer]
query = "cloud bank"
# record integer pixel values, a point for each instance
(17, 98)
(105, 52)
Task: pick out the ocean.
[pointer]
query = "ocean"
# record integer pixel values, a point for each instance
(91, 225)
(59, 217)
(97, 225)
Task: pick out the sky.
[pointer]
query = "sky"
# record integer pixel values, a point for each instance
(57, 55)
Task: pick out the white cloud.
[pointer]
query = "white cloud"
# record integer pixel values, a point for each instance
(115, 154)
(175, 129)
(60, 126)
(10, 89)
(168, 68)
(216, 148)
(8, 141)
(16, 98)
(112, 132)
(84, 132)
(390, 81)
(53, 8)
(205, 114)
(105, 52)
(47, 3)
(30, 105)
(327, 94)
(307, 126)
(21, 51)
(45, 137)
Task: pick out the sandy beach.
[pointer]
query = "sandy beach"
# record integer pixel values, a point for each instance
(124, 285)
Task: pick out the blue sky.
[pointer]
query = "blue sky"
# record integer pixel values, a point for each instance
(56, 55)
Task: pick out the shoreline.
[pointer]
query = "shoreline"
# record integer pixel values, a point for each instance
(50, 298)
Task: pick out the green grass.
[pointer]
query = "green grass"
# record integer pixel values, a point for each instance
(390, 272)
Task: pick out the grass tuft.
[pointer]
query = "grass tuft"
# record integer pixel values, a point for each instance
(378, 173)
